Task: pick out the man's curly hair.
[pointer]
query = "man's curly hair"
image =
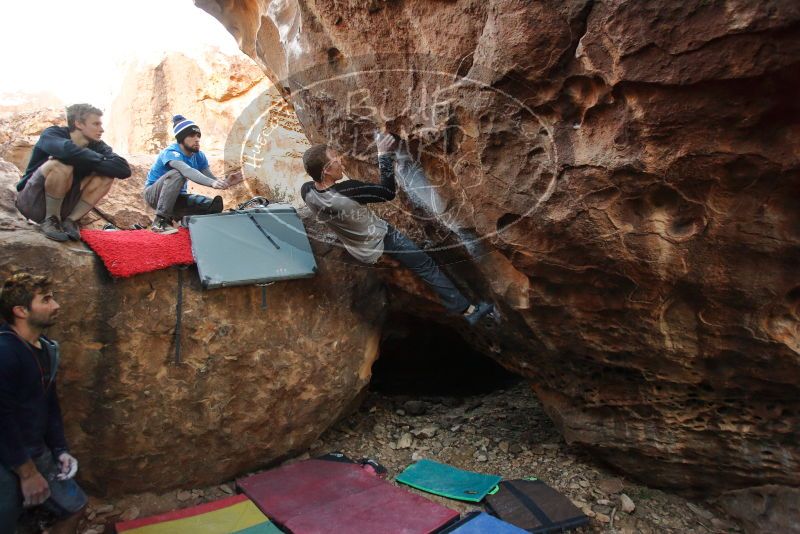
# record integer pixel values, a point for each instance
(19, 290)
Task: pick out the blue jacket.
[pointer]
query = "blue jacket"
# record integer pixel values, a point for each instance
(96, 158)
(30, 416)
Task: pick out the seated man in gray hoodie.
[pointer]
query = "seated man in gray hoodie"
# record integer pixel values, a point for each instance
(342, 206)
(165, 189)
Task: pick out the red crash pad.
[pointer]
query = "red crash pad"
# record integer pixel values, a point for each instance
(320, 496)
(129, 252)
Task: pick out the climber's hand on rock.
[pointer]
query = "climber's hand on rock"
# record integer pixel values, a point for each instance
(386, 143)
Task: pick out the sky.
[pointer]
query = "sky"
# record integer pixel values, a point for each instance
(79, 49)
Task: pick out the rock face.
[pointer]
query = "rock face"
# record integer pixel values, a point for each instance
(623, 178)
(221, 93)
(252, 384)
(17, 102)
(211, 91)
(20, 131)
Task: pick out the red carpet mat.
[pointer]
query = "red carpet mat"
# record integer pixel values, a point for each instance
(129, 252)
(320, 496)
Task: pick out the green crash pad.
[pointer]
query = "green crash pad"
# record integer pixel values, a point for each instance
(448, 481)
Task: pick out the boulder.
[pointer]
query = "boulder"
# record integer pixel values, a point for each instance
(621, 178)
(251, 385)
(19, 132)
(211, 90)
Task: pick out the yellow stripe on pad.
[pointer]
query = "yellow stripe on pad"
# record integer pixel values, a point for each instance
(230, 519)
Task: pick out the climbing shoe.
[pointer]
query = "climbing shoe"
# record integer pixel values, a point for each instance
(479, 311)
(162, 226)
(51, 228)
(71, 228)
(216, 205)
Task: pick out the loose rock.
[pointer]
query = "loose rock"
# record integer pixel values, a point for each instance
(610, 486)
(405, 441)
(626, 504)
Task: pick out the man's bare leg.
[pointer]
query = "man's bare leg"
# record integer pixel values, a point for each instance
(93, 189)
(57, 183)
(68, 525)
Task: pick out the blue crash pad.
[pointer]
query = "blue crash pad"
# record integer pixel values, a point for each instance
(482, 523)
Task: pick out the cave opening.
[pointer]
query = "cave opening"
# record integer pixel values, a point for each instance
(422, 358)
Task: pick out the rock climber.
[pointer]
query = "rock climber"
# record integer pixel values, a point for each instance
(166, 187)
(341, 206)
(36, 468)
(70, 170)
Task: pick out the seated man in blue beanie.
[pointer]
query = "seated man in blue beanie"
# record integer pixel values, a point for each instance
(165, 189)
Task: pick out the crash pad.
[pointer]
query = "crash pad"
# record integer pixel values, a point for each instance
(448, 481)
(236, 514)
(321, 496)
(482, 523)
(129, 252)
(251, 246)
(534, 506)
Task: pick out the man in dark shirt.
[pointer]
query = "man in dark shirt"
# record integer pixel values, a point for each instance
(341, 205)
(35, 465)
(70, 170)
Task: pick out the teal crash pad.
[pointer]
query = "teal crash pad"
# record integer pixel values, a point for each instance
(448, 481)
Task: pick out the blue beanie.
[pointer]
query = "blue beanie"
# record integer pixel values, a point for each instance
(183, 127)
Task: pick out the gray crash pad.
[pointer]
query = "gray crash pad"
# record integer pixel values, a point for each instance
(253, 246)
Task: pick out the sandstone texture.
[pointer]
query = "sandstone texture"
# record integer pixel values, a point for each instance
(22, 101)
(225, 95)
(252, 384)
(621, 178)
(211, 90)
(20, 131)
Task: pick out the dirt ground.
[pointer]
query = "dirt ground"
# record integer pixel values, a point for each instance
(503, 432)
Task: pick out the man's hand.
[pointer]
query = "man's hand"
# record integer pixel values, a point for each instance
(220, 184)
(35, 489)
(234, 178)
(385, 143)
(69, 466)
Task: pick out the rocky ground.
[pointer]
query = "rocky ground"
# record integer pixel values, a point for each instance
(504, 432)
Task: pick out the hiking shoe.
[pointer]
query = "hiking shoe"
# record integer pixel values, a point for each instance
(51, 228)
(71, 228)
(162, 226)
(482, 309)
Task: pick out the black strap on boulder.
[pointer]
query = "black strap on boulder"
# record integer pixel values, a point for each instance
(264, 294)
(179, 314)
